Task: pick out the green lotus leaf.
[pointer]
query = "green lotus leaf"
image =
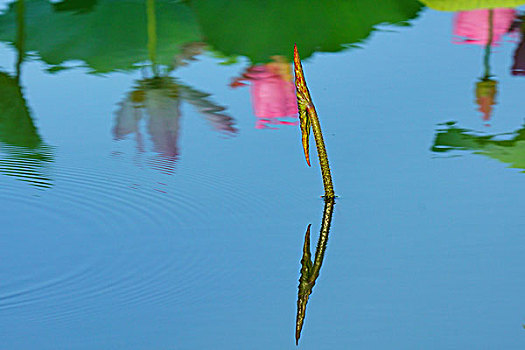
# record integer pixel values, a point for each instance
(500, 147)
(107, 35)
(261, 29)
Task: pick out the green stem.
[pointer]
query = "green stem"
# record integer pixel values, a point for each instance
(152, 34)
(486, 58)
(20, 36)
(323, 238)
(321, 153)
(310, 272)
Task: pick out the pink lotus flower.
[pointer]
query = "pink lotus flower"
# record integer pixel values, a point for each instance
(272, 91)
(474, 26)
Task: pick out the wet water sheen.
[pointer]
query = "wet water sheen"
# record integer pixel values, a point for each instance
(155, 195)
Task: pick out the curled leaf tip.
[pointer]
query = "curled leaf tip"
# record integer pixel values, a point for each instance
(303, 101)
(298, 67)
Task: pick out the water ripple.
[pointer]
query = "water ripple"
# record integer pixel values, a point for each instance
(136, 245)
(27, 164)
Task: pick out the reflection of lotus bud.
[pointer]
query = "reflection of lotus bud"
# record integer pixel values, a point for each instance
(486, 90)
(138, 96)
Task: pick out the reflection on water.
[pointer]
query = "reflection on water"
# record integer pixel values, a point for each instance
(157, 100)
(76, 6)
(486, 90)
(310, 120)
(113, 35)
(518, 64)
(508, 150)
(310, 270)
(155, 38)
(484, 27)
(259, 30)
(464, 5)
(161, 35)
(22, 152)
(272, 91)
(105, 35)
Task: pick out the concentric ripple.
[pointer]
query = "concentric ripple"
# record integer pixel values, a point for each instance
(27, 164)
(97, 241)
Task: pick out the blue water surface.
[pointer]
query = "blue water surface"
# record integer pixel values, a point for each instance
(114, 242)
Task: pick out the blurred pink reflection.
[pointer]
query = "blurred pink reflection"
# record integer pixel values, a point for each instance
(472, 27)
(273, 93)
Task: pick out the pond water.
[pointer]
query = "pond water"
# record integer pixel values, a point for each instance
(155, 194)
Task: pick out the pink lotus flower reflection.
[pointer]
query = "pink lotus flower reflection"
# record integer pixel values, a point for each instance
(273, 93)
(473, 27)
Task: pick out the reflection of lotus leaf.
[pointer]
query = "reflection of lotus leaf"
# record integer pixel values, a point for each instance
(112, 35)
(16, 125)
(510, 151)
(19, 139)
(261, 29)
(464, 5)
